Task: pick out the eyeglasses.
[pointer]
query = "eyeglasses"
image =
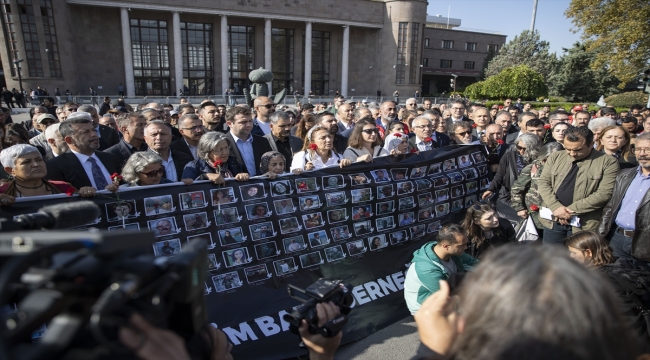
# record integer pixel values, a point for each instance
(71, 109)
(221, 150)
(464, 133)
(194, 128)
(269, 106)
(154, 173)
(642, 150)
(370, 131)
(520, 148)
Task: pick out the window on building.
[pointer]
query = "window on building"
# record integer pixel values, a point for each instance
(241, 52)
(470, 46)
(445, 64)
(30, 38)
(426, 42)
(425, 62)
(494, 48)
(447, 44)
(49, 31)
(469, 65)
(198, 75)
(150, 57)
(400, 67)
(9, 30)
(320, 62)
(282, 65)
(413, 74)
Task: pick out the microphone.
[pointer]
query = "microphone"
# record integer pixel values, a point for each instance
(60, 216)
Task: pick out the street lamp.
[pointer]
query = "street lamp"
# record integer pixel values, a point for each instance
(20, 78)
(453, 81)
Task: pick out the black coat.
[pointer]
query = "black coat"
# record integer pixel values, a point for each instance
(181, 145)
(123, 151)
(67, 167)
(260, 146)
(109, 137)
(504, 234)
(506, 175)
(180, 160)
(103, 108)
(441, 140)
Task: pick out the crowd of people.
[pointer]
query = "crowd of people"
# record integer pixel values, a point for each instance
(572, 171)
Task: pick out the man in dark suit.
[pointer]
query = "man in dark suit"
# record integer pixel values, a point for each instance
(280, 137)
(107, 135)
(132, 128)
(522, 119)
(345, 115)
(192, 129)
(426, 138)
(328, 121)
(158, 136)
(244, 146)
(83, 165)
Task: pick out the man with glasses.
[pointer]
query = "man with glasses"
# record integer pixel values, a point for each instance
(338, 101)
(411, 104)
(426, 138)
(522, 119)
(461, 133)
(263, 107)
(132, 129)
(157, 135)
(626, 217)
(578, 187)
(457, 112)
(191, 129)
(68, 109)
(281, 139)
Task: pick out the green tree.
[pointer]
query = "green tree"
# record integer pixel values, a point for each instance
(577, 80)
(525, 49)
(490, 55)
(617, 31)
(517, 81)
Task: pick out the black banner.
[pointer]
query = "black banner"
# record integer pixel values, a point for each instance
(360, 224)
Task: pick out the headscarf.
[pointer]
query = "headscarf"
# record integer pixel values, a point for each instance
(266, 158)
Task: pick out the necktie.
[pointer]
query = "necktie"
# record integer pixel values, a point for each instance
(98, 176)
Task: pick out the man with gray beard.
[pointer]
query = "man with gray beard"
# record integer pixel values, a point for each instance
(388, 112)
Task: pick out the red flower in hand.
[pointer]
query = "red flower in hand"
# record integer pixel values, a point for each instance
(534, 207)
(547, 126)
(217, 163)
(70, 192)
(413, 151)
(428, 140)
(500, 142)
(397, 135)
(313, 147)
(116, 177)
(474, 125)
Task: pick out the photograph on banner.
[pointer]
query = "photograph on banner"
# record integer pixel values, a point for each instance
(336, 198)
(377, 242)
(484, 184)
(423, 184)
(130, 227)
(359, 179)
(227, 281)
(257, 211)
(448, 165)
(434, 227)
(306, 185)
(418, 231)
(457, 205)
(340, 233)
(435, 169)
(318, 238)
(398, 237)
(456, 177)
(158, 205)
(252, 192)
(440, 181)
(310, 202)
(385, 207)
(399, 174)
(281, 188)
(231, 236)
(289, 225)
(310, 260)
(163, 226)
(223, 196)
(266, 250)
(285, 266)
(356, 247)
(385, 191)
(262, 231)
(425, 199)
(464, 161)
(196, 221)
(284, 206)
(314, 220)
(425, 214)
(226, 215)
(123, 209)
(418, 172)
(337, 215)
(333, 182)
(363, 228)
(469, 201)
(406, 203)
(167, 247)
(213, 264)
(257, 273)
(442, 195)
(334, 253)
(471, 187)
(361, 212)
(385, 223)
(405, 187)
(294, 244)
(380, 175)
(457, 191)
(192, 200)
(405, 219)
(236, 257)
(478, 157)
(205, 236)
(361, 195)
(470, 173)
(482, 170)
(442, 209)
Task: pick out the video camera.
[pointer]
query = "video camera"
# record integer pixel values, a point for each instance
(321, 291)
(85, 285)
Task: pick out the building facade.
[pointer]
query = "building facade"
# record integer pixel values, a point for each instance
(356, 47)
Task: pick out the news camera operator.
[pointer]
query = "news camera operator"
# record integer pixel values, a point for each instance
(153, 343)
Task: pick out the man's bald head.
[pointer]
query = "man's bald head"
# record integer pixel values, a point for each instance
(261, 100)
(154, 105)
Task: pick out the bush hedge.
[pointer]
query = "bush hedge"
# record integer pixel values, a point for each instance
(554, 105)
(627, 99)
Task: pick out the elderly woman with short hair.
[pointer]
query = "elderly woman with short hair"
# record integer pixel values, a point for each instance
(214, 162)
(26, 166)
(145, 168)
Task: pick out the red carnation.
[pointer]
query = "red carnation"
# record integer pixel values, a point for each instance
(474, 125)
(428, 140)
(397, 135)
(217, 163)
(116, 177)
(500, 142)
(547, 126)
(413, 151)
(534, 207)
(313, 147)
(70, 191)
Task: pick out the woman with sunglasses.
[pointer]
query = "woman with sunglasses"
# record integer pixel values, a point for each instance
(214, 161)
(364, 143)
(145, 168)
(485, 230)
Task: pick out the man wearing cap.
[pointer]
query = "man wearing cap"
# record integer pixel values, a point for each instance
(41, 123)
(106, 105)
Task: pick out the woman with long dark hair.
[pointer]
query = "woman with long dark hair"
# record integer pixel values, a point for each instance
(485, 230)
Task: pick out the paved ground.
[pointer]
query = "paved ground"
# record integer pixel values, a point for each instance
(397, 342)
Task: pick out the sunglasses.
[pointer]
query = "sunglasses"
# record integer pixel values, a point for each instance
(463, 133)
(154, 173)
(369, 131)
(520, 148)
(269, 106)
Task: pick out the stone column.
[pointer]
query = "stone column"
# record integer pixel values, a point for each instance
(345, 60)
(128, 53)
(225, 78)
(307, 81)
(268, 61)
(178, 52)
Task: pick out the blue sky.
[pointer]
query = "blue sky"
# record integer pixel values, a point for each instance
(511, 17)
